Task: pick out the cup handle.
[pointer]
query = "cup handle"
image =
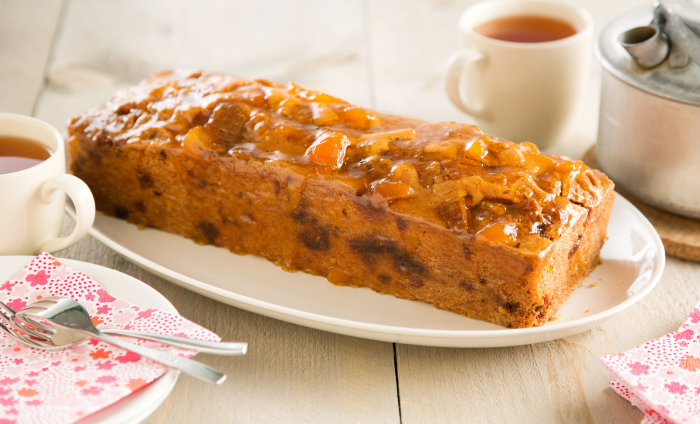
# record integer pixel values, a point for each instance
(84, 203)
(455, 70)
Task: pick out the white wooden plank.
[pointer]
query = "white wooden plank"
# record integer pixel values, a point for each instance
(302, 375)
(412, 42)
(316, 43)
(558, 381)
(291, 374)
(27, 28)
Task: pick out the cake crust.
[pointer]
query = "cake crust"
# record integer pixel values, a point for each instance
(439, 213)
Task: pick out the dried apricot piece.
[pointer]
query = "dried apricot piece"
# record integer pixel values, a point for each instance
(198, 141)
(328, 149)
(338, 277)
(383, 191)
(357, 117)
(323, 115)
(541, 163)
(569, 167)
(477, 150)
(500, 233)
(312, 95)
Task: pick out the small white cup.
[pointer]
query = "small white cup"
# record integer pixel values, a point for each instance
(521, 91)
(33, 205)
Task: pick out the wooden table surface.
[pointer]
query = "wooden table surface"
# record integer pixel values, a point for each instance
(57, 58)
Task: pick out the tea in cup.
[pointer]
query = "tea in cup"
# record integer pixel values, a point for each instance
(33, 181)
(524, 67)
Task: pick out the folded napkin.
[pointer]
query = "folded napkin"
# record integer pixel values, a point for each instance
(662, 377)
(38, 387)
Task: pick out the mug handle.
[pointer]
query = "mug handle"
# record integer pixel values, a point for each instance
(455, 69)
(84, 203)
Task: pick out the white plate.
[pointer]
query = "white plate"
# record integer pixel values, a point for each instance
(633, 260)
(136, 407)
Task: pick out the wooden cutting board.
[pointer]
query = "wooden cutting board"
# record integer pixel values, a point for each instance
(680, 235)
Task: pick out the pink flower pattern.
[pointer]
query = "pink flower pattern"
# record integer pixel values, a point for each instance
(128, 357)
(107, 365)
(103, 309)
(660, 377)
(38, 279)
(7, 286)
(695, 316)
(676, 387)
(687, 335)
(145, 314)
(32, 382)
(16, 304)
(94, 390)
(105, 297)
(7, 401)
(638, 368)
(106, 379)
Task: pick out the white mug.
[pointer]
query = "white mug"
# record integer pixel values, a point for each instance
(521, 91)
(33, 200)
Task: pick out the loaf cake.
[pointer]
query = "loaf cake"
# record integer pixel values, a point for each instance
(435, 212)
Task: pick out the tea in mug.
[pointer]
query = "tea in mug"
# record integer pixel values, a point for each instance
(17, 154)
(526, 29)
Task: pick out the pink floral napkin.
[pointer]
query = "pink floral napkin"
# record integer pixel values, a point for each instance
(38, 387)
(662, 377)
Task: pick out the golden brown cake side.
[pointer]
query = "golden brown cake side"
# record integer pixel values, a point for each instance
(432, 212)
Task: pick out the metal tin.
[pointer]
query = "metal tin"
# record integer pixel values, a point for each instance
(688, 11)
(649, 129)
(677, 84)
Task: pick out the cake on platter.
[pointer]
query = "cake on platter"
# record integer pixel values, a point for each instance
(435, 212)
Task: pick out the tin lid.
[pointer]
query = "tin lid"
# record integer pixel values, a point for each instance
(688, 11)
(681, 84)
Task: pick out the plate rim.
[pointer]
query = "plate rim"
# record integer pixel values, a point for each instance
(309, 317)
(167, 380)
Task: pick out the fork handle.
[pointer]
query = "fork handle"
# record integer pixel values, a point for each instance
(188, 366)
(218, 348)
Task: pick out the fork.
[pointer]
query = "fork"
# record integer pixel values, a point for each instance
(63, 323)
(12, 324)
(218, 348)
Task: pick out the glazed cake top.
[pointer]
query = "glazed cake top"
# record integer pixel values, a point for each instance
(447, 173)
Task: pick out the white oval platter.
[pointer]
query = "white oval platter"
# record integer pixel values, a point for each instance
(633, 261)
